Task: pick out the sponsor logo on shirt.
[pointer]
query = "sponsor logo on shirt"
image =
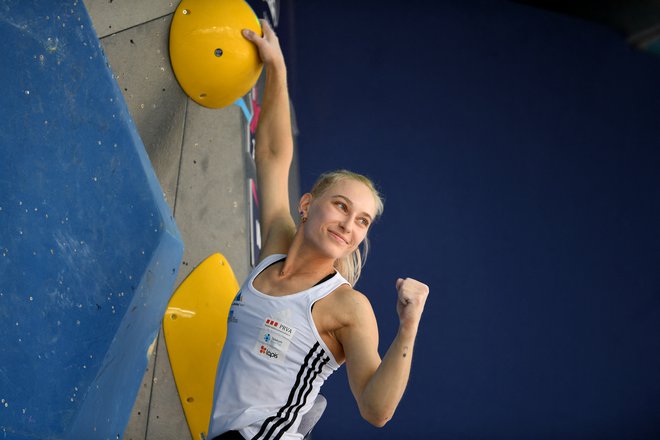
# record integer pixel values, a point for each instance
(274, 339)
(238, 302)
(269, 353)
(280, 327)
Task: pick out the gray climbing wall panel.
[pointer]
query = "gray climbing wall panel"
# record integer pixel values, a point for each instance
(200, 158)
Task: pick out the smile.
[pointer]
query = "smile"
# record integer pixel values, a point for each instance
(338, 237)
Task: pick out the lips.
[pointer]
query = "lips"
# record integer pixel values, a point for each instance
(338, 237)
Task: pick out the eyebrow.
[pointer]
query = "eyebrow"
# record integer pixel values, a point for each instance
(350, 202)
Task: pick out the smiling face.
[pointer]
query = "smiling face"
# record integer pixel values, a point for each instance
(339, 218)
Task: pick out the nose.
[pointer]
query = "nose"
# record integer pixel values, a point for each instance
(346, 224)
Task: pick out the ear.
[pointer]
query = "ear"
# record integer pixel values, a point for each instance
(303, 206)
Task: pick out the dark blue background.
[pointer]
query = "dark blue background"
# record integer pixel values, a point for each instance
(519, 152)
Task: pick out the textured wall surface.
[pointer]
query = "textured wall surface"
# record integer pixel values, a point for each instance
(89, 247)
(202, 162)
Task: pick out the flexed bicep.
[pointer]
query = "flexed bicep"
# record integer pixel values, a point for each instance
(378, 385)
(359, 339)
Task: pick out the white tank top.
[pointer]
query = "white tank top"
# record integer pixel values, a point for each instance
(273, 362)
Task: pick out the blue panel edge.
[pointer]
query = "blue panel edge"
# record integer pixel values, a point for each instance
(106, 408)
(106, 403)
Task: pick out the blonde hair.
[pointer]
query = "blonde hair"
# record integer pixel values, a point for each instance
(351, 265)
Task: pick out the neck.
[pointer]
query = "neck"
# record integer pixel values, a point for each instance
(304, 260)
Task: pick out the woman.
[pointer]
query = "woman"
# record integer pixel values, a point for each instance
(297, 318)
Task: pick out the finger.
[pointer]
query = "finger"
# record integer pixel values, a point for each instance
(250, 35)
(398, 283)
(404, 300)
(267, 30)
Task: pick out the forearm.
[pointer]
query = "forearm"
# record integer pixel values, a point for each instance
(274, 134)
(383, 392)
(378, 384)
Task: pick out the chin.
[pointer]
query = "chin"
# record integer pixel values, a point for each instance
(345, 252)
(336, 252)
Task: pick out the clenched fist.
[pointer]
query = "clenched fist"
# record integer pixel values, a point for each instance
(412, 296)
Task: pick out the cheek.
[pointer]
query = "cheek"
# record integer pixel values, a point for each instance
(323, 214)
(317, 217)
(314, 224)
(359, 237)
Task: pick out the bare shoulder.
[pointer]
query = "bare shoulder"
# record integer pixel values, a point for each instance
(347, 294)
(351, 305)
(357, 331)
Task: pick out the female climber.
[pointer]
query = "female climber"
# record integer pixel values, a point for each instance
(297, 317)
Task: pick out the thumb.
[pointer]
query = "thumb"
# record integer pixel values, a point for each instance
(399, 281)
(249, 34)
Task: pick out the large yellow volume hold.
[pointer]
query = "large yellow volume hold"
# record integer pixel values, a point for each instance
(195, 327)
(214, 64)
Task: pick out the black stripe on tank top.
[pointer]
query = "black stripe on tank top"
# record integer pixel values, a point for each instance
(303, 381)
(291, 393)
(281, 426)
(301, 403)
(303, 385)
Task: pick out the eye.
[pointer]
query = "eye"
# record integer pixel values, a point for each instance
(341, 205)
(364, 221)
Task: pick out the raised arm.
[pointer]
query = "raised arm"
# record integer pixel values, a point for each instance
(274, 147)
(378, 385)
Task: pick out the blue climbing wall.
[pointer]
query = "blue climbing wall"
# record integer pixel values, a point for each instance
(88, 247)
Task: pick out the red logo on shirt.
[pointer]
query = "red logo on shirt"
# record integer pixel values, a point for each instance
(282, 328)
(267, 352)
